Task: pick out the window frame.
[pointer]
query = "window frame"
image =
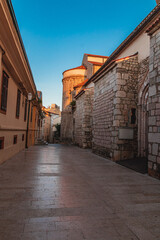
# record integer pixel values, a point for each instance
(4, 111)
(2, 139)
(18, 104)
(15, 137)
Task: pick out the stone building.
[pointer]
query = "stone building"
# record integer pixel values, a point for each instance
(154, 99)
(117, 110)
(126, 98)
(73, 81)
(16, 81)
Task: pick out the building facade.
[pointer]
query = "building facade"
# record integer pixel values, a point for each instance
(16, 81)
(122, 110)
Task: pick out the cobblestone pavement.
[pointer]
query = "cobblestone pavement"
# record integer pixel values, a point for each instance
(60, 192)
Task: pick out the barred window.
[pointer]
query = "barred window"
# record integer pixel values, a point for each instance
(4, 92)
(18, 103)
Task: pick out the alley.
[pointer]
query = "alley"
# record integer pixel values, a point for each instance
(62, 192)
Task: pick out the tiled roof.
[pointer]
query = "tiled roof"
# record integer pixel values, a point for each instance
(80, 67)
(92, 55)
(156, 24)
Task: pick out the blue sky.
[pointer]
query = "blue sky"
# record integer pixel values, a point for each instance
(56, 34)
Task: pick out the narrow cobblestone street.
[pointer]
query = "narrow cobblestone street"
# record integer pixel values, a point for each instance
(61, 192)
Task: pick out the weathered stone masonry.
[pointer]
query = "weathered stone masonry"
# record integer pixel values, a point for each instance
(115, 101)
(83, 119)
(154, 106)
(103, 114)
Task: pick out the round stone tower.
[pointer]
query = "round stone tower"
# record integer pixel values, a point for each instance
(71, 78)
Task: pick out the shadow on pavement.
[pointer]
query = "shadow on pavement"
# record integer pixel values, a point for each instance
(137, 164)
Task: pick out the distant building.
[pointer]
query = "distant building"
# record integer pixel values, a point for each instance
(73, 81)
(16, 81)
(52, 118)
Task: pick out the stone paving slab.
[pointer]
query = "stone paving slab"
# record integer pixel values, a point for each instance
(61, 192)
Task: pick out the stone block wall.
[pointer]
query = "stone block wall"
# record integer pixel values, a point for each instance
(114, 98)
(67, 126)
(83, 119)
(103, 110)
(154, 106)
(125, 101)
(143, 72)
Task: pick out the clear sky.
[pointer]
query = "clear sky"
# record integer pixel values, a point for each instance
(56, 34)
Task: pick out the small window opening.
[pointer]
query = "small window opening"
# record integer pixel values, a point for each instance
(133, 115)
(22, 137)
(15, 139)
(1, 143)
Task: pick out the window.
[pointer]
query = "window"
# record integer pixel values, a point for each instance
(18, 103)
(133, 115)
(4, 92)
(15, 139)
(22, 137)
(25, 110)
(1, 143)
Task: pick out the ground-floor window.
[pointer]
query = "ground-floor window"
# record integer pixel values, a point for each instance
(15, 139)
(1, 143)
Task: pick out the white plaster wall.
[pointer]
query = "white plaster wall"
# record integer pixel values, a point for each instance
(140, 45)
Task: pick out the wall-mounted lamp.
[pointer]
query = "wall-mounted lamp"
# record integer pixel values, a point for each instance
(29, 99)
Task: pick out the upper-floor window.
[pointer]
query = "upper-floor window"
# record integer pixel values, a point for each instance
(18, 103)
(25, 110)
(4, 92)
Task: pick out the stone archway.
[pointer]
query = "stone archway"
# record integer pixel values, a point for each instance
(143, 120)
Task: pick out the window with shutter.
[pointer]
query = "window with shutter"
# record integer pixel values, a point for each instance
(4, 93)
(18, 103)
